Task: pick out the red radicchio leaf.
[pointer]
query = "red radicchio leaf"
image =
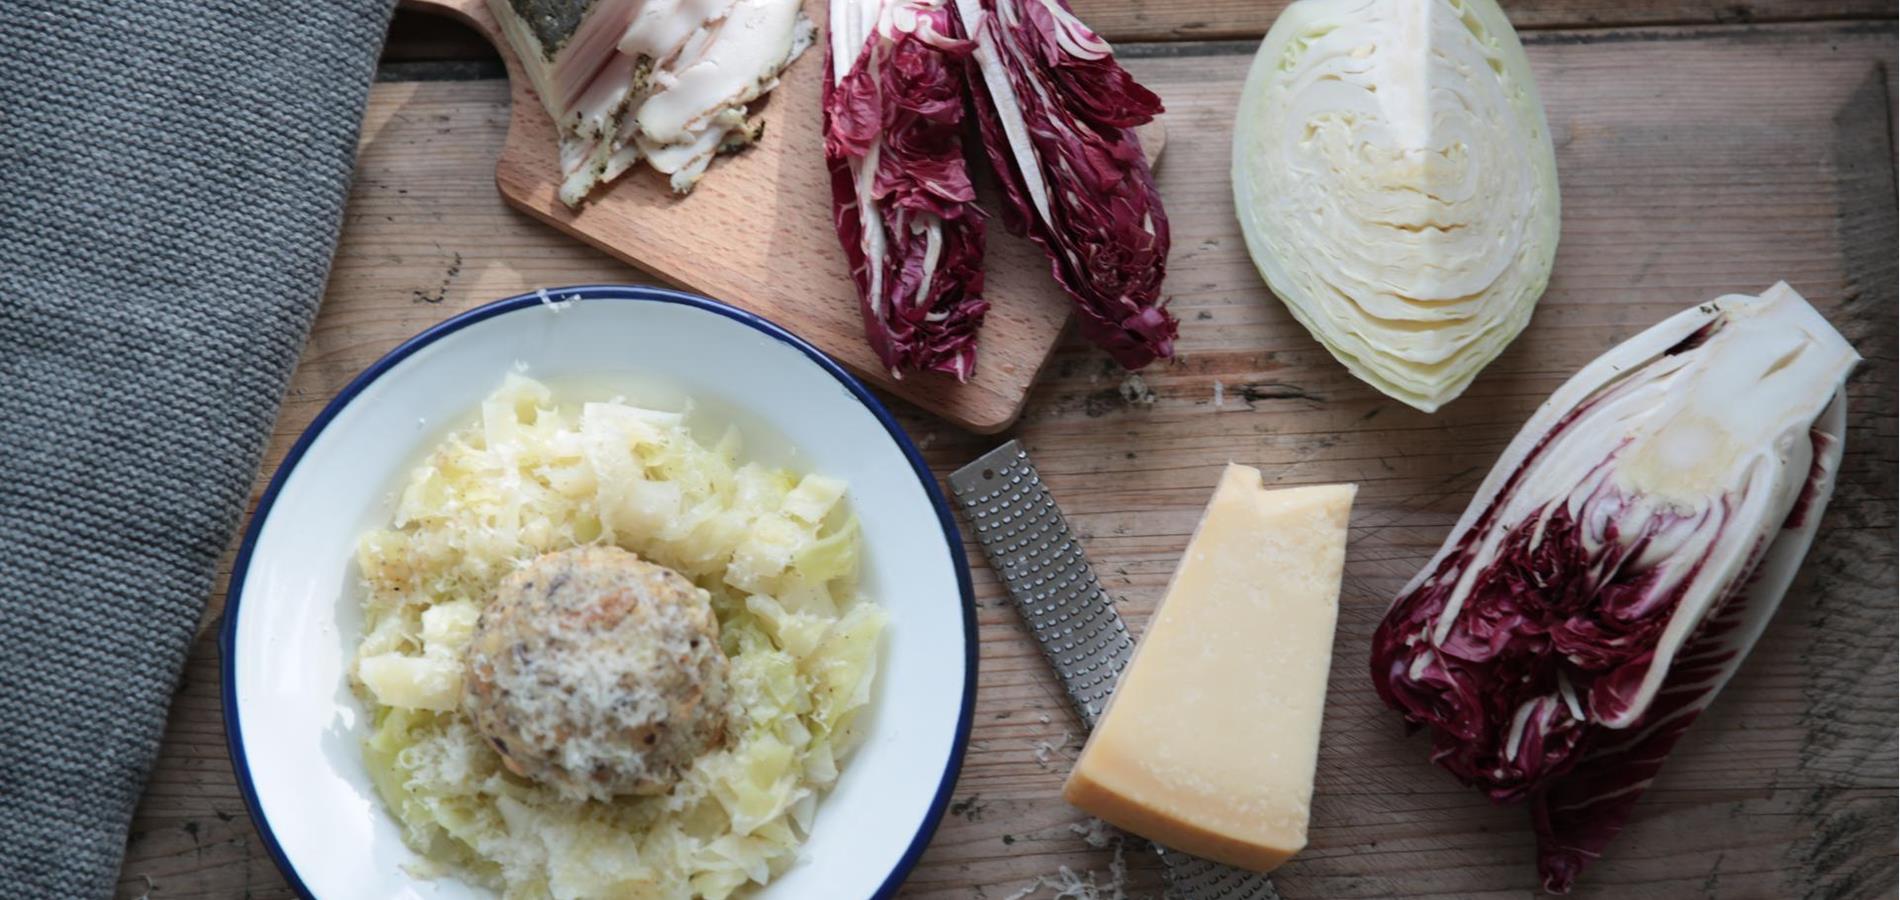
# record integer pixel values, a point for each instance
(1056, 112)
(902, 201)
(1094, 85)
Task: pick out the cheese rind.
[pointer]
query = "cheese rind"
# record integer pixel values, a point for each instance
(1210, 742)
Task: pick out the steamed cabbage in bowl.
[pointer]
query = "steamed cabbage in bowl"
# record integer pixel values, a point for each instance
(776, 556)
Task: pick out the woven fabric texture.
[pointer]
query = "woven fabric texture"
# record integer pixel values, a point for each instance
(172, 178)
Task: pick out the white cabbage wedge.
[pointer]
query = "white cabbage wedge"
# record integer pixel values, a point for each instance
(1395, 181)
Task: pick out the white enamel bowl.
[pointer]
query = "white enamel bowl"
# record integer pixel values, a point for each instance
(295, 729)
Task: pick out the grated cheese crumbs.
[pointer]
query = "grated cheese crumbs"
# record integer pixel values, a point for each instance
(1068, 885)
(1047, 752)
(1135, 391)
(1096, 833)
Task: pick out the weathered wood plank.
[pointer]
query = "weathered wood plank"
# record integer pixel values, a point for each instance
(1692, 164)
(1176, 20)
(420, 36)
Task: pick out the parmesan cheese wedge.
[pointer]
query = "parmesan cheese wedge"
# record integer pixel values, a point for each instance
(1210, 741)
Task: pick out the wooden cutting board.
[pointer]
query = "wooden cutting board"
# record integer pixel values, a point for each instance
(756, 232)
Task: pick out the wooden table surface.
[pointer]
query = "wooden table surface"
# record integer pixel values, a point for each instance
(1704, 147)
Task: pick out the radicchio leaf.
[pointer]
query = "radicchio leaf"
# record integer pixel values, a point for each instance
(1056, 112)
(902, 200)
(1619, 562)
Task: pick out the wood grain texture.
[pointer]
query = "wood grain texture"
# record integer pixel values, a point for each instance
(1174, 20)
(419, 34)
(1693, 163)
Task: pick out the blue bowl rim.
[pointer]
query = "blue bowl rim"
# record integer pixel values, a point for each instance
(227, 641)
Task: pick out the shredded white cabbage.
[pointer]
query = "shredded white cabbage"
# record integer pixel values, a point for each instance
(778, 553)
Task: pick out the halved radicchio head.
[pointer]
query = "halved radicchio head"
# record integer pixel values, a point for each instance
(1057, 113)
(1619, 562)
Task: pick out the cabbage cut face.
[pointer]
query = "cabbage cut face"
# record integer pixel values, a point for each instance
(1395, 182)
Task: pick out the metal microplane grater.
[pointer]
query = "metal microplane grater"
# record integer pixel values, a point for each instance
(1029, 544)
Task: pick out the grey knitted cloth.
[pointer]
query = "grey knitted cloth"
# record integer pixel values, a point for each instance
(172, 177)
